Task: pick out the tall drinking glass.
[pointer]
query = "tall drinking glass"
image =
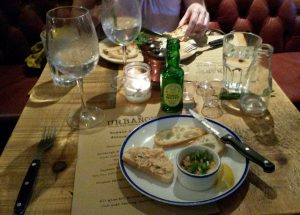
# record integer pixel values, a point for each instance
(258, 86)
(121, 21)
(239, 53)
(73, 49)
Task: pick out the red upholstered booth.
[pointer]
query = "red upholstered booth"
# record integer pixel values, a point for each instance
(277, 22)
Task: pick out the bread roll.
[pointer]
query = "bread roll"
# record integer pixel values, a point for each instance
(150, 161)
(178, 135)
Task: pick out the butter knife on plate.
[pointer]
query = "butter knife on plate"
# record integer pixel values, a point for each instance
(228, 138)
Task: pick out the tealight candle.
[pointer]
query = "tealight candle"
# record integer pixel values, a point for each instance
(137, 82)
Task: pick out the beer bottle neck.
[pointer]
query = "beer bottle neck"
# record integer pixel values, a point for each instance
(173, 56)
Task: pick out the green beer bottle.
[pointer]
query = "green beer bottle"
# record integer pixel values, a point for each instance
(171, 79)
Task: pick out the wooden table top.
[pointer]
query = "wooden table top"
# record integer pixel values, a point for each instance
(277, 136)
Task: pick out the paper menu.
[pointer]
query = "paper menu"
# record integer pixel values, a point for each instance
(100, 187)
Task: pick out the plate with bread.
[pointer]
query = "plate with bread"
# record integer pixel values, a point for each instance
(148, 160)
(184, 42)
(114, 53)
(184, 54)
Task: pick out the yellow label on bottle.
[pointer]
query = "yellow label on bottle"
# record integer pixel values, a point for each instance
(172, 94)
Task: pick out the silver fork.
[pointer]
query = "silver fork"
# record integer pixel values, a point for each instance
(190, 47)
(26, 189)
(214, 44)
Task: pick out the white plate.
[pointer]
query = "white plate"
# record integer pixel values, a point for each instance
(107, 43)
(183, 45)
(175, 193)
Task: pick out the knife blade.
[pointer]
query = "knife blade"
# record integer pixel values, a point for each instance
(154, 33)
(226, 137)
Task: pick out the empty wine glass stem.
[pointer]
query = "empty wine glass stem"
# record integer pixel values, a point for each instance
(124, 54)
(82, 97)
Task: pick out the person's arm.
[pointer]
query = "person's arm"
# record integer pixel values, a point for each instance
(196, 16)
(93, 6)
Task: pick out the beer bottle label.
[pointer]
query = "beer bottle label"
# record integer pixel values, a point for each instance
(172, 94)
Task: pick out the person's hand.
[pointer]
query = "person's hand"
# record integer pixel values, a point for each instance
(197, 18)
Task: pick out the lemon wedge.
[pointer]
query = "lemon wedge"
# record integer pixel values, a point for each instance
(225, 177)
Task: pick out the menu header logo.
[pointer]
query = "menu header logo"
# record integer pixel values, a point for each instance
(125, 121)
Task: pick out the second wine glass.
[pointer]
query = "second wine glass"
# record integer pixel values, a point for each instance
(73, 49)
(121, 21)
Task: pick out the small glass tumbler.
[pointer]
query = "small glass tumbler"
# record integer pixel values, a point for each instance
(204, 88)
(211, 107)
(188, 95)
(137, 82)
(211, 104)
(258, 86)
(59, 79)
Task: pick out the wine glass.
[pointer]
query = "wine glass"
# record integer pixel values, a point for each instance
(73, 49)
(121, 21)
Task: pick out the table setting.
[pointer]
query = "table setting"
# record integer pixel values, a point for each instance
(177, 194)
(227, 92)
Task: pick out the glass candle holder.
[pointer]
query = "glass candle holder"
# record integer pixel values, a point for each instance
(137, 82)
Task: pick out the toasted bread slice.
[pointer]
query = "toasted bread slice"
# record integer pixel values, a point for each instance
(181, 134)
(151, 161)
(211, 141)
(116, 52)
(178, 32)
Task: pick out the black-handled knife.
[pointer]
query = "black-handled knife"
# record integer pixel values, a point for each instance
(154, 33)
(228, 138)
(216, 43)
(32, 172)
(27, 187)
